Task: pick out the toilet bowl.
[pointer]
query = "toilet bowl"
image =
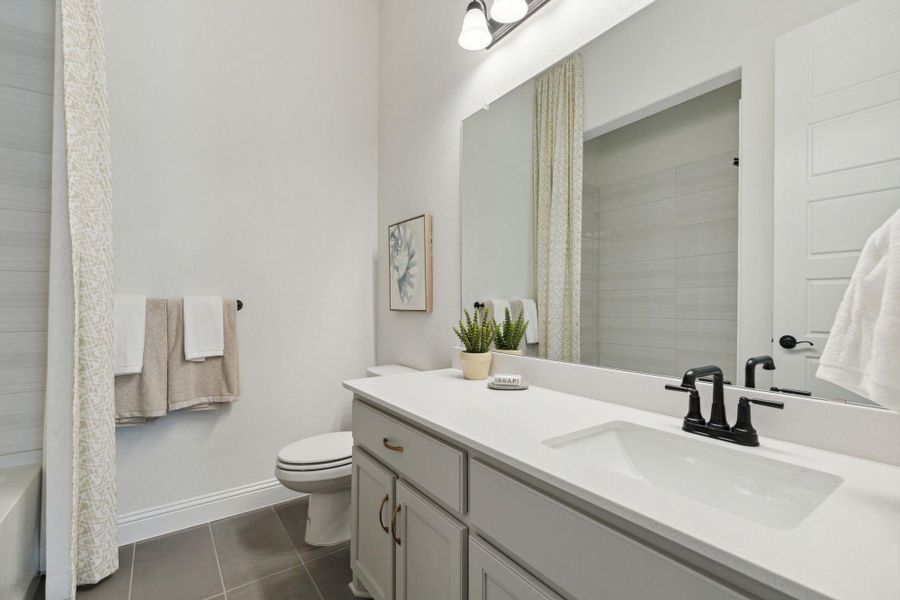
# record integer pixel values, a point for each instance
(321, 467)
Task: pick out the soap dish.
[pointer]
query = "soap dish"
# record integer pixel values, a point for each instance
(513, 388)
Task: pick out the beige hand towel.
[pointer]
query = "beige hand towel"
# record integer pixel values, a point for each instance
(142, 396)
(207, 384)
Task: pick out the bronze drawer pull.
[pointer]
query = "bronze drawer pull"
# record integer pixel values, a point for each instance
(381, 510)
(394, 525)
(391, 446)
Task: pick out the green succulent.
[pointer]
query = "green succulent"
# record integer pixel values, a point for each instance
(509, 334)
(478, 333)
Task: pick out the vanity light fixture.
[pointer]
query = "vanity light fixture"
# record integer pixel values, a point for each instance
(480, 31)
(475, 34)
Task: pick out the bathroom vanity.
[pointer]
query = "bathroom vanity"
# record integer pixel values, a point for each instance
(464, 492)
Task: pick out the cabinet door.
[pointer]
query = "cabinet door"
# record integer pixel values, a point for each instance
(429, 546)
(372, 549)
(494, 577)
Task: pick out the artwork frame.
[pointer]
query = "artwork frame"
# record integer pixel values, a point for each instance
(410, 265)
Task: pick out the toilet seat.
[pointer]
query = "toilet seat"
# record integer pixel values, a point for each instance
(288, 466)
(317, 453)
(322, 481)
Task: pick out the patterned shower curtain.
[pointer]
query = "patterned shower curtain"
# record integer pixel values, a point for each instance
(556, 196)
(93, 552)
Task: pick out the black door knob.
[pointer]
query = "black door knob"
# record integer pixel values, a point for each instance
(788, 341)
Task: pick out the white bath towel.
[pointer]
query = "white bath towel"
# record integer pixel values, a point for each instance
(863, 349)
(204, 332)
(530, 308)
(129, 315)
(496, 309)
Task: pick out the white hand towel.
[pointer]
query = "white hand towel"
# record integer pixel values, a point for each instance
(129, 315)
(864, 344)
(530, 308)
(204, 330)
(496, 309)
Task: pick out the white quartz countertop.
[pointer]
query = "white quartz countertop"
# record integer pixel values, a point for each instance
(847, 548)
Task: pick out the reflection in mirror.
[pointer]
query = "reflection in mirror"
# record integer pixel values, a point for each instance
(711, 215)
(659, 243)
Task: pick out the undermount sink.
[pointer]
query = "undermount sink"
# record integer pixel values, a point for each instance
(770, 492)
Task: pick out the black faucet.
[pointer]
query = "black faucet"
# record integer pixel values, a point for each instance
(750, 369)
(742, 433)
(717, 419)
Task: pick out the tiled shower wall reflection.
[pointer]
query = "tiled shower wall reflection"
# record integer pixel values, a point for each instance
(26, 98)
(659, 269)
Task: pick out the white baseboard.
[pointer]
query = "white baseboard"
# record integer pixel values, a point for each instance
(151, 522)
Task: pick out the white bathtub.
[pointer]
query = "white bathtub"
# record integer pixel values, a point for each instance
(20, 526)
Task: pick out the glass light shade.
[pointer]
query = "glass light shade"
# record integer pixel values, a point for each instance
(475, 34)
(508, 11)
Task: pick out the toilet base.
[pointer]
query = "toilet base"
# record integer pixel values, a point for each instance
(328, 519)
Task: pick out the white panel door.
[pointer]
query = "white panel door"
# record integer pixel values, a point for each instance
(430, 549)
(372, 549)
(837, 171)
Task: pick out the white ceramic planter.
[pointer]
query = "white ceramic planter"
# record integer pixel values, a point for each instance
(475, 365)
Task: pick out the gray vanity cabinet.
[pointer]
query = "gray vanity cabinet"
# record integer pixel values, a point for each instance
(494, 577)
(416, 498)
(372, 548)
(430, 549)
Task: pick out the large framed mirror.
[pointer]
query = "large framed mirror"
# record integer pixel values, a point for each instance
(721, 192)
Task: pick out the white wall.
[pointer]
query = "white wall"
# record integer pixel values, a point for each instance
(691, 131)
(496, 234)
(26, 117)
(428, 85)
(244, 149)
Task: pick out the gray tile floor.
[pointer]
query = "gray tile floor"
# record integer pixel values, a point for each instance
(258, 555)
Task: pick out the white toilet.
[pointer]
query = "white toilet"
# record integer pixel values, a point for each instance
(321, 467)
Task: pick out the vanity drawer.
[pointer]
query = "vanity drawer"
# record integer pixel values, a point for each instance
(577, 553)
(434, 466)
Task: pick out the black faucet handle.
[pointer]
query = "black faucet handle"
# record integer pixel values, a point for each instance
(678, 388)
(791, 391)
(711, 380)
(744, 426)
(770, 403)
(694, 418)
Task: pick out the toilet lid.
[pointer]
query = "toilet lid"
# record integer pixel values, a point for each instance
(314, 467)
(319, 449)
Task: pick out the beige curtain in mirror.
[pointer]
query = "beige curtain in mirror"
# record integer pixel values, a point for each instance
(556, 196)
(93, 551)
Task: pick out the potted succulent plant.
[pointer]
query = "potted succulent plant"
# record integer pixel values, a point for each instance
(509, 334)
(476, 336)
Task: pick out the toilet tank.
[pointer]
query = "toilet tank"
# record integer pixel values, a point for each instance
(383, 370)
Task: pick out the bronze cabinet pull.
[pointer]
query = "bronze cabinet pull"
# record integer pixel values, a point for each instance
(394, 525)
(381, 510)
(391, 446)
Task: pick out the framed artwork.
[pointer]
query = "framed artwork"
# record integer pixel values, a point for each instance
(409, 264)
